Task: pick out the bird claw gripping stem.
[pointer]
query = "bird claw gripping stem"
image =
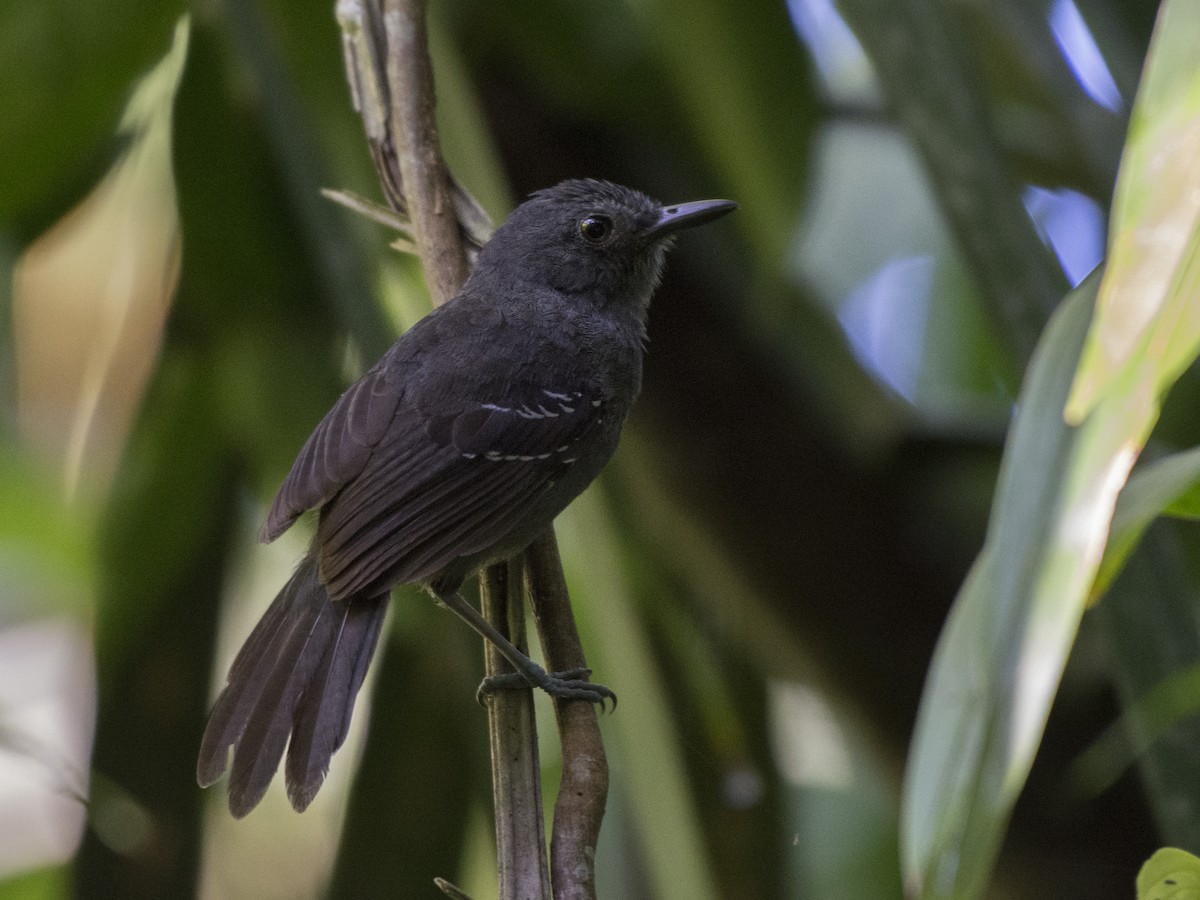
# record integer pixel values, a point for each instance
(572, 684)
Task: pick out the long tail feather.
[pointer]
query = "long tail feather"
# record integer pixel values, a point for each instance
(323, 715)
(298, 673)
(247, 677)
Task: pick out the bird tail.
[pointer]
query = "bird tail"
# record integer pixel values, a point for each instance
(298, 673)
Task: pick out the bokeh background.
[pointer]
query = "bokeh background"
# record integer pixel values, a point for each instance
(763, 571)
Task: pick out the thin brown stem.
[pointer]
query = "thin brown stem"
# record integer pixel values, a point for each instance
(423, 175)
(579, 809)
(512, 736)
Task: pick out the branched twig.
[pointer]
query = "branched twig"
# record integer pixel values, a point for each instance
(391, 81)
(365, 44)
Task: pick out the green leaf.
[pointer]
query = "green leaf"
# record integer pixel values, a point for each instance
(38, 884)
(965, 765)
(1147, 321)
(1002, 653)
(49, 562)
(1170, 874)
(1187, 504)
(1170, 485)
(1146, 720)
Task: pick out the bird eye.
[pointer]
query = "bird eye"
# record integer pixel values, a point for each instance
(596, 229)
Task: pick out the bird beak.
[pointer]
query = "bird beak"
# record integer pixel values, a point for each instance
(685, 215)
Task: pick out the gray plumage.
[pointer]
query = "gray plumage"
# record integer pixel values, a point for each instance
(467, 438)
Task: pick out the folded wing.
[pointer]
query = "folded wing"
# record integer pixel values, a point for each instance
(450, 480)
(338, 449)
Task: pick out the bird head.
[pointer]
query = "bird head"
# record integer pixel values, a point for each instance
(593, 239)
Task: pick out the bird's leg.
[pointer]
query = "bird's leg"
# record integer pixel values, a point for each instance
(572, 685)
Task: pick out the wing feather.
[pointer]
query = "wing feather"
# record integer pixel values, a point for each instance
(338, 449)
(449, 482)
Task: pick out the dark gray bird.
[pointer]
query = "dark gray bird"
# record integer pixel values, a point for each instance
(465, 440)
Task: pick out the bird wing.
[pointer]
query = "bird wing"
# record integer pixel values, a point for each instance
(451, 478)
(338, 448)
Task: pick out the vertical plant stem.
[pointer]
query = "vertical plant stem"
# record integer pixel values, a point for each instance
(424, 179)
(512, 735)
(579, 809)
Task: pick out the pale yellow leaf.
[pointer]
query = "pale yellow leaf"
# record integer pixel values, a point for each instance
(90, 296)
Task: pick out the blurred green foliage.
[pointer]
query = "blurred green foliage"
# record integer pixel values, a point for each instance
(763, 573)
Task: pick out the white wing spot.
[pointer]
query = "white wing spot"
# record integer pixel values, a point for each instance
(555, 396)
(547, 412)
(565, 408)
(596, 402)
(495, 408)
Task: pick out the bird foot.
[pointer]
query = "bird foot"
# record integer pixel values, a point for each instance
(572, 684)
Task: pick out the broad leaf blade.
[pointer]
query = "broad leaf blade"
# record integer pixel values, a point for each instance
(1002, 653)
(998, 661)
(1144, 312)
